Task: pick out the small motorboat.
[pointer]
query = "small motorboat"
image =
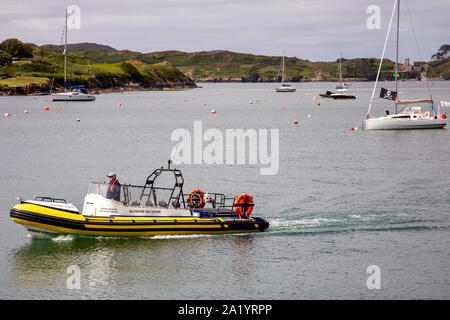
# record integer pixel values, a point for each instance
(142, 211)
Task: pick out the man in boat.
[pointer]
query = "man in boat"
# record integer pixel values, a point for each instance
(113, 189)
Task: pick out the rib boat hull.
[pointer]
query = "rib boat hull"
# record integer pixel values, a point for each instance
(40, 220)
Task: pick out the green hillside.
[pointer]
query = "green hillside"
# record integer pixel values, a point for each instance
(44, 68)
(440, 68)
(103, 67)
(227, 65)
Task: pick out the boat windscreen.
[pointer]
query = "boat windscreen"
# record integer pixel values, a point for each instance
(80, 90)
(145, 196)
(101, 188)
(97, 188)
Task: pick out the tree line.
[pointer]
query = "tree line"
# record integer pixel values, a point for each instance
(14, 48)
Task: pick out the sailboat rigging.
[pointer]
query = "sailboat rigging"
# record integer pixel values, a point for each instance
(341, 88)
(284, 86)
(78, 93)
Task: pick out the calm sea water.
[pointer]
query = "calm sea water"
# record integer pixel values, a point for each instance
(342, 200)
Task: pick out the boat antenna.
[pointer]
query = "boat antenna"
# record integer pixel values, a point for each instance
(174, 149)
(381, 61)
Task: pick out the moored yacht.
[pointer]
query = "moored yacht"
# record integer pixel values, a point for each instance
(341, 88)
(78, 93)
(284, 86)
(408, 118)
(411, 117)
(342, 94)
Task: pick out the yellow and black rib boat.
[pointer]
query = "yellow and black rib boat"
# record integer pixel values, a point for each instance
(140, 211)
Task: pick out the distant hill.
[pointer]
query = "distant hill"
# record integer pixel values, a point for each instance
(223, 65)
(440, 68)
(101, 67)
(83, 46)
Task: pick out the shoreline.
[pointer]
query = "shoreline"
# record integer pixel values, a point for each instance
(36, 90)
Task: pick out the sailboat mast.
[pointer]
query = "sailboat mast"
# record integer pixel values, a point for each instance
(340, 70)
(396, 52)
(381, 60)
(65, 54)
(282, 70)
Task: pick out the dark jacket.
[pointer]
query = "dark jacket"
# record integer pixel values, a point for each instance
(113, 190)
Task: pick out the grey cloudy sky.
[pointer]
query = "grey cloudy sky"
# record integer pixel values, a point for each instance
(314, 30)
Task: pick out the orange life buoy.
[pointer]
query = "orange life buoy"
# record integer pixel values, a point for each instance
(244, 205)
(195, 199)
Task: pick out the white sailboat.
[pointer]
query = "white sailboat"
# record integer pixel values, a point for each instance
(78, 93)
(410, 116)
(341, 88)
(284, 86)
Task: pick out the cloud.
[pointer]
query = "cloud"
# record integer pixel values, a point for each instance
(315, 30)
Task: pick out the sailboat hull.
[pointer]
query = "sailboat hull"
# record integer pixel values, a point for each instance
(70, 97)
(285, 89)
(384, 123)
(338, 96)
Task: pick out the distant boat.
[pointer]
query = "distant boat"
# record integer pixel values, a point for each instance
(78, 93)
(342, 94)
(341, 88)
(284, 86)
(410, 117)
(326, 94)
